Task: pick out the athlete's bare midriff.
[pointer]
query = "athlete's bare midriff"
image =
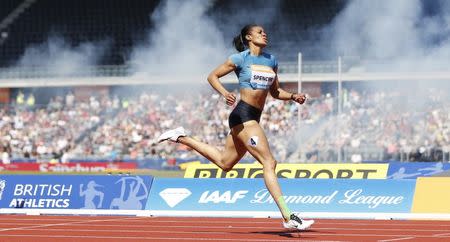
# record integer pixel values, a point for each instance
(256, 98)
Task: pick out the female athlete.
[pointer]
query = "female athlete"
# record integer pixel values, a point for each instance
(257, 74)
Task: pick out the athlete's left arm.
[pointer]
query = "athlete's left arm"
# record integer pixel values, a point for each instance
(277, 92)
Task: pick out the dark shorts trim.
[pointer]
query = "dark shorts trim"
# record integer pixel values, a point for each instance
(242, 113)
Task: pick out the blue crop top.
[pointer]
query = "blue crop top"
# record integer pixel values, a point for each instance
(256, 72)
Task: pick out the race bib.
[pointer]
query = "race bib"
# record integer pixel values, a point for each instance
(262, 76)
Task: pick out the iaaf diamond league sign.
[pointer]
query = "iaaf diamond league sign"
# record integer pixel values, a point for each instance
(306, 195)
(74, 192)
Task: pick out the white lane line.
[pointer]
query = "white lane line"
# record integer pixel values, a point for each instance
(309, 233)
(442, 235)
(137, 220)
(4, 218)
(133, 231)
(399, 224)
(244, 221)
(398, 239)
(443, 223)
(38, 219)
(402, 237)
(139, 229)
(194, 233)
(59, 224)
(159, 238)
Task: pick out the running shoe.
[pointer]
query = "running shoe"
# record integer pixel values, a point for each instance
(295, 222)
(172, 135)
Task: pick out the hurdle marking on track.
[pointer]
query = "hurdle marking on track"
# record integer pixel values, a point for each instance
(442, 235)
(397, 239)
(60, 224)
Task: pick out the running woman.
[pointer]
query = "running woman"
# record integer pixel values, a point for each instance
(257, 74)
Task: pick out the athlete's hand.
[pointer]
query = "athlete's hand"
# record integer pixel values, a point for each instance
(299, 97)
(230, 98)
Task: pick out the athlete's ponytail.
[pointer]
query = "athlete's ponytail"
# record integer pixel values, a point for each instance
(240, 42)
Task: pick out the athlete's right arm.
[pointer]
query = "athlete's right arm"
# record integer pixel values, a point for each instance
(213, 79)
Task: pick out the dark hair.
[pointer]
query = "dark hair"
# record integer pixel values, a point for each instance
(240, 42)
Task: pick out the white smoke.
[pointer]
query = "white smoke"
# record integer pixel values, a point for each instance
(400, 31)
(184, 42)
(58, 57)
(405, 36)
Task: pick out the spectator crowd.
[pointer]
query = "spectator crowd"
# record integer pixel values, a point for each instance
(380, 125)
(386, 125)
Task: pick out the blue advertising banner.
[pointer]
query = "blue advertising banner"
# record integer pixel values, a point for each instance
(412, 170)
(306, 195)
(74, 192)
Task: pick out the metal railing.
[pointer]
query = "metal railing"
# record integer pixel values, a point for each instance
(125, 70)
(357, 155)
(348, 64)
(43, 72)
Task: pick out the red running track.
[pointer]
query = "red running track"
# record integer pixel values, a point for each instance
(121, 228)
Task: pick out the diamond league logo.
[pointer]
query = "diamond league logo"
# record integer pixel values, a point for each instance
(173, 196)
(2, 188)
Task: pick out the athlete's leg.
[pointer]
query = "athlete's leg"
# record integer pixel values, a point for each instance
(251, 134)
(233, 151)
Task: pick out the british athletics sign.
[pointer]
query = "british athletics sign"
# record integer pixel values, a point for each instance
(74, 192)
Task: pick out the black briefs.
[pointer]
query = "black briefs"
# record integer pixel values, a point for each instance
(243, 112)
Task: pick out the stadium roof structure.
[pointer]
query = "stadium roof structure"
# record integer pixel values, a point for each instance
(143, 79)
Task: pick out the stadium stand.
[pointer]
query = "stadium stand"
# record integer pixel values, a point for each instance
(126, 23)
(122, 22)
(114, 126)
(7, 7)
(300, 28)
(377, 126)
(119, 127)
